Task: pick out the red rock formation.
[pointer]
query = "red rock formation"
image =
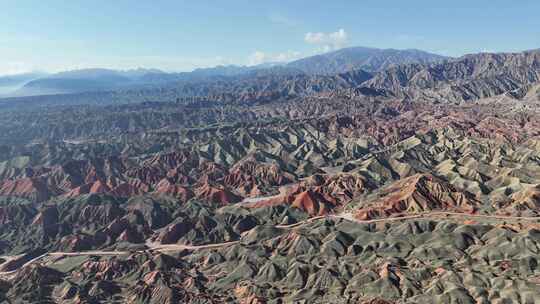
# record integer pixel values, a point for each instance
(31, 188)
(127, 190)
(99, 187)
(337, 189)
(84, 189)
(317, 195)
(495, 128)
(106, 269)
(166, 187)
(177, 176)
(216, 195)
(311, 202)
(269, 174)
(146, 174)
(211, 170)
(418, 193)
(152, 277)
(172, 233)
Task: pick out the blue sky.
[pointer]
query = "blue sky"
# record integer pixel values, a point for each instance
(180, 35)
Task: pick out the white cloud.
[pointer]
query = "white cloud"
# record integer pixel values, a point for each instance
(259, 57)
(328, 41)
(288, 56)
(315, 38)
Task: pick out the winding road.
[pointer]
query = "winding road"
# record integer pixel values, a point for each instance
(152, 248)
(156, 247)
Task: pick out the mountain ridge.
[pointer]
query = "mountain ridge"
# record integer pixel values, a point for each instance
(368, 59)
(337, 62)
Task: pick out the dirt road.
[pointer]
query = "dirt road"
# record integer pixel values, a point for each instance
(156, 247)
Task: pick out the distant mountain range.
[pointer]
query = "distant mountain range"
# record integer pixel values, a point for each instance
(11, 83)
(85, 80)
(94, 80)
(456, 80)
(408, 74)
(367, 59)
(470, 77)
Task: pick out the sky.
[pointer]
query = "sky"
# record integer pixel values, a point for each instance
(176, 35)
